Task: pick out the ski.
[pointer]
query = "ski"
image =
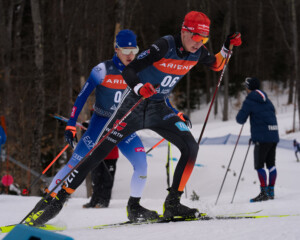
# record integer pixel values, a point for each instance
(156, 221)
(244, 213)
(49, 227)
(161, 219)
(203, 217)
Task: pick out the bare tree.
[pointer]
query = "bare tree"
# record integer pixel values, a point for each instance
(295, 51)
(292, 48)
(38, 91)
(259, 36)
(227, 24)
(6, 22)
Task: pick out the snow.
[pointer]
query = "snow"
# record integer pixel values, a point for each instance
(205, 181)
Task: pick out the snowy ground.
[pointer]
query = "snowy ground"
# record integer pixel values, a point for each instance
(205, 181)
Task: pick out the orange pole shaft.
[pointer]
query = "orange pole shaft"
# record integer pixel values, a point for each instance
(54, 160)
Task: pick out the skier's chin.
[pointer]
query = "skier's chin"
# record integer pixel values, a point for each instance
(193, 49)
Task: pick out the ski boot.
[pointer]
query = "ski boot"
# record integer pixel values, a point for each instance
(137, 213)
(270, 192)
(90, 204)
(173, 208)
(262, 196)
(102, 204)
(42, 204)
(51, 210)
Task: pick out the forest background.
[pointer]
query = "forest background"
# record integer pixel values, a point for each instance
(48, 48)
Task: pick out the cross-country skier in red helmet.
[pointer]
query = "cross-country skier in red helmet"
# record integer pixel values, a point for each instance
(152, 76)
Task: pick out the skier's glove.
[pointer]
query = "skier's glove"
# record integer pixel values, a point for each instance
(185, 118)
(233, 39)
(146, 90)
(70, 136)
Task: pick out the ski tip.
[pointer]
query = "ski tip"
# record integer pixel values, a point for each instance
(51, 227)
(6, 229)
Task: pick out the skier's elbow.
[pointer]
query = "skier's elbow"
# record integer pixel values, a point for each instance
(130, 77)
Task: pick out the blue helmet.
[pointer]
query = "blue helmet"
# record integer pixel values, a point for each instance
(126, 38)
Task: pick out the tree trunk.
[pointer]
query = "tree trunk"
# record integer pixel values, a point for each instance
(226, 73)
(39, 93)
(284, 34)
(6, 21)
(119, 15)
(295, 54)
(259, 37)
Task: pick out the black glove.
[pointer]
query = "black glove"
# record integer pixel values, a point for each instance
(233, 39)
(185, 118)
(70, 136)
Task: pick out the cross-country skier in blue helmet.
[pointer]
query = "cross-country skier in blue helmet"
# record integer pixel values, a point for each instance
(106, 78)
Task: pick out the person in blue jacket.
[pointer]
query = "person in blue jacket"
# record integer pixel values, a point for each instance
(2, 138)
(264, 134)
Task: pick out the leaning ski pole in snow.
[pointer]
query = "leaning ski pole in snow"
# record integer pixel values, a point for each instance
(46, 169)
(215, 93)
(117, 124)
(241, 170)
(237, 141)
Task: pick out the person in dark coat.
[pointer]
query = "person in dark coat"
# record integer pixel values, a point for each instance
(297, 148)
(264, 134)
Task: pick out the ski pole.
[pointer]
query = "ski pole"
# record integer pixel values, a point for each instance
(46, 169)
(155, 145)
(215, 93)
(241, 170)
(117, 124)
(168, 164)
(237, 141)
(64, 119)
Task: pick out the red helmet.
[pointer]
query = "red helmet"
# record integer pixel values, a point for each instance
(196, 22)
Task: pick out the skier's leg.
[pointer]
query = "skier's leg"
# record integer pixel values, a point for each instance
(260, 154)
(132, 121)
(132, 148)
(85, 144)
(270, 161)
(167, 124)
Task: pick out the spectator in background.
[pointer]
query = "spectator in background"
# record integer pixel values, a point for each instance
(264, 134)
(297, 148)
(2, 138)
(102, 179)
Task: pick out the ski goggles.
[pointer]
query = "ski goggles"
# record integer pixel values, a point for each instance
(197, 37)
(127, 51)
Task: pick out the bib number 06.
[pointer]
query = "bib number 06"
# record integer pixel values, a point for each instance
(168, 81)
